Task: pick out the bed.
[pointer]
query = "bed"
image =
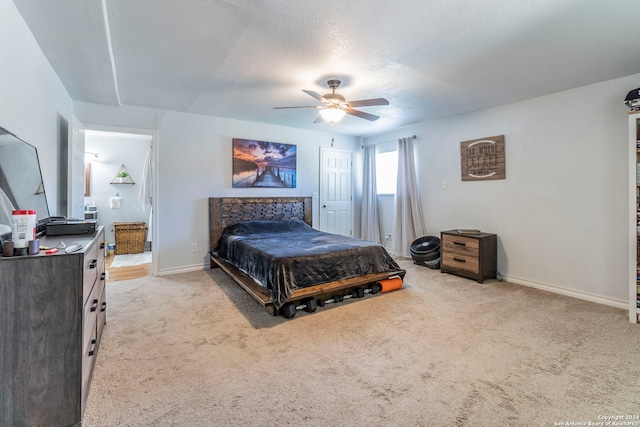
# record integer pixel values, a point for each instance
(297, 267)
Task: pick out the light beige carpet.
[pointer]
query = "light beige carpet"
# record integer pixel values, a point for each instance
(195, 350)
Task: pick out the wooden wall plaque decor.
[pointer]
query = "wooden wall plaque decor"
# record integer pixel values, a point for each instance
(483, 159)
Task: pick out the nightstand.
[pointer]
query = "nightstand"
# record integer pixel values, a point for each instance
(469, 255)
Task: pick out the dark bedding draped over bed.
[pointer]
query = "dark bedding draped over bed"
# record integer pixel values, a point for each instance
(286, 255)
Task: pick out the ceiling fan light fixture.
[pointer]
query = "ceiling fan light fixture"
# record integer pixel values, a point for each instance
(334, 106)
(332, 113)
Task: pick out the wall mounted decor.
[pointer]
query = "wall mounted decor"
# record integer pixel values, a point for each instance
(483, 159)
(263, 164)
(122, 176)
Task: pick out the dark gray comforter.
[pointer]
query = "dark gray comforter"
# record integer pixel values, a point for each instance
(286, 255)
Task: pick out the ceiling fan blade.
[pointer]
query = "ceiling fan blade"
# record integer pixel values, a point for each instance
(368, 102)
(362, 114)
(317, 96)
(302, 106)
(319, 119)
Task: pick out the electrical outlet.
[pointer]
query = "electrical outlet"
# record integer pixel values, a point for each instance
(194, 247)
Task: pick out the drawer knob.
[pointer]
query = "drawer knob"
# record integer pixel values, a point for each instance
(94, 305)
(460, 243)
(94, 263)
(459, 259)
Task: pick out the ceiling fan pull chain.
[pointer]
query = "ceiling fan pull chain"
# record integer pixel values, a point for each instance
(332, 134)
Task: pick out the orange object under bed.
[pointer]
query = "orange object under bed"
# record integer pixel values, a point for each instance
(390, 284)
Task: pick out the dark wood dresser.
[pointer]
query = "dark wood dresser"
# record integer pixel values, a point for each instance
(469, 255)
(52, 313)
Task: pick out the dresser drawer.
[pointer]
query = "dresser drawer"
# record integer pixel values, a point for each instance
(102, 312)
(91, 265)
(88, 360)
(100, 257)
(89, 315)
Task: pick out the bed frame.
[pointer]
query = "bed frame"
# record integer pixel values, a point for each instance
(225, 211)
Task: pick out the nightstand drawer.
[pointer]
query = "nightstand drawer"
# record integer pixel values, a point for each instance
(461, 245)
(461, 262)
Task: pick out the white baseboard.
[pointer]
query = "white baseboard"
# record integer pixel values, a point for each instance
(569, 292)
(183, 269)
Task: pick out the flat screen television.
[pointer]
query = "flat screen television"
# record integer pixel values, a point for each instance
(21, 185)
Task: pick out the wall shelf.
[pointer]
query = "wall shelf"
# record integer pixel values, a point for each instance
(122, 180)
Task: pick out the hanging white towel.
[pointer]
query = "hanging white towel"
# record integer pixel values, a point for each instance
(146, 182)
(116, 202)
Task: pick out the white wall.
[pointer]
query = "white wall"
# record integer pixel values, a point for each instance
(195, 163)
(35, 106)
(561, 213)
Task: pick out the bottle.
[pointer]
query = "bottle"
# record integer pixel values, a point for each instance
(23, 227)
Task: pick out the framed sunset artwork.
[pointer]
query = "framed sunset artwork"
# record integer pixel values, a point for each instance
(263, 164)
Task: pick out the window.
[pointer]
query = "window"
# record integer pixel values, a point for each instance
(386, 171)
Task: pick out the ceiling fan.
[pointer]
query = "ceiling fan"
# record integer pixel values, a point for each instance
(334, 106)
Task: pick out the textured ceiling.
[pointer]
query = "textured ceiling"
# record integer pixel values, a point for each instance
(240, 58)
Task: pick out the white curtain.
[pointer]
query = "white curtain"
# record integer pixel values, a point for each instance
(408, 222)
(369, 224)
(145, 191)
(146, 182)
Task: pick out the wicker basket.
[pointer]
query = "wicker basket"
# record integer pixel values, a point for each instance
(130, 237)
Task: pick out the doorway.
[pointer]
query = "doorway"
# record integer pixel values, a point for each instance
(336, 204)
(120, 183)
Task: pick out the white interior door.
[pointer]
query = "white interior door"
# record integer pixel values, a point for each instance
(336, 204)
(75, 200)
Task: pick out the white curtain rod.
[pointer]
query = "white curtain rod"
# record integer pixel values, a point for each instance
(385, 142)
